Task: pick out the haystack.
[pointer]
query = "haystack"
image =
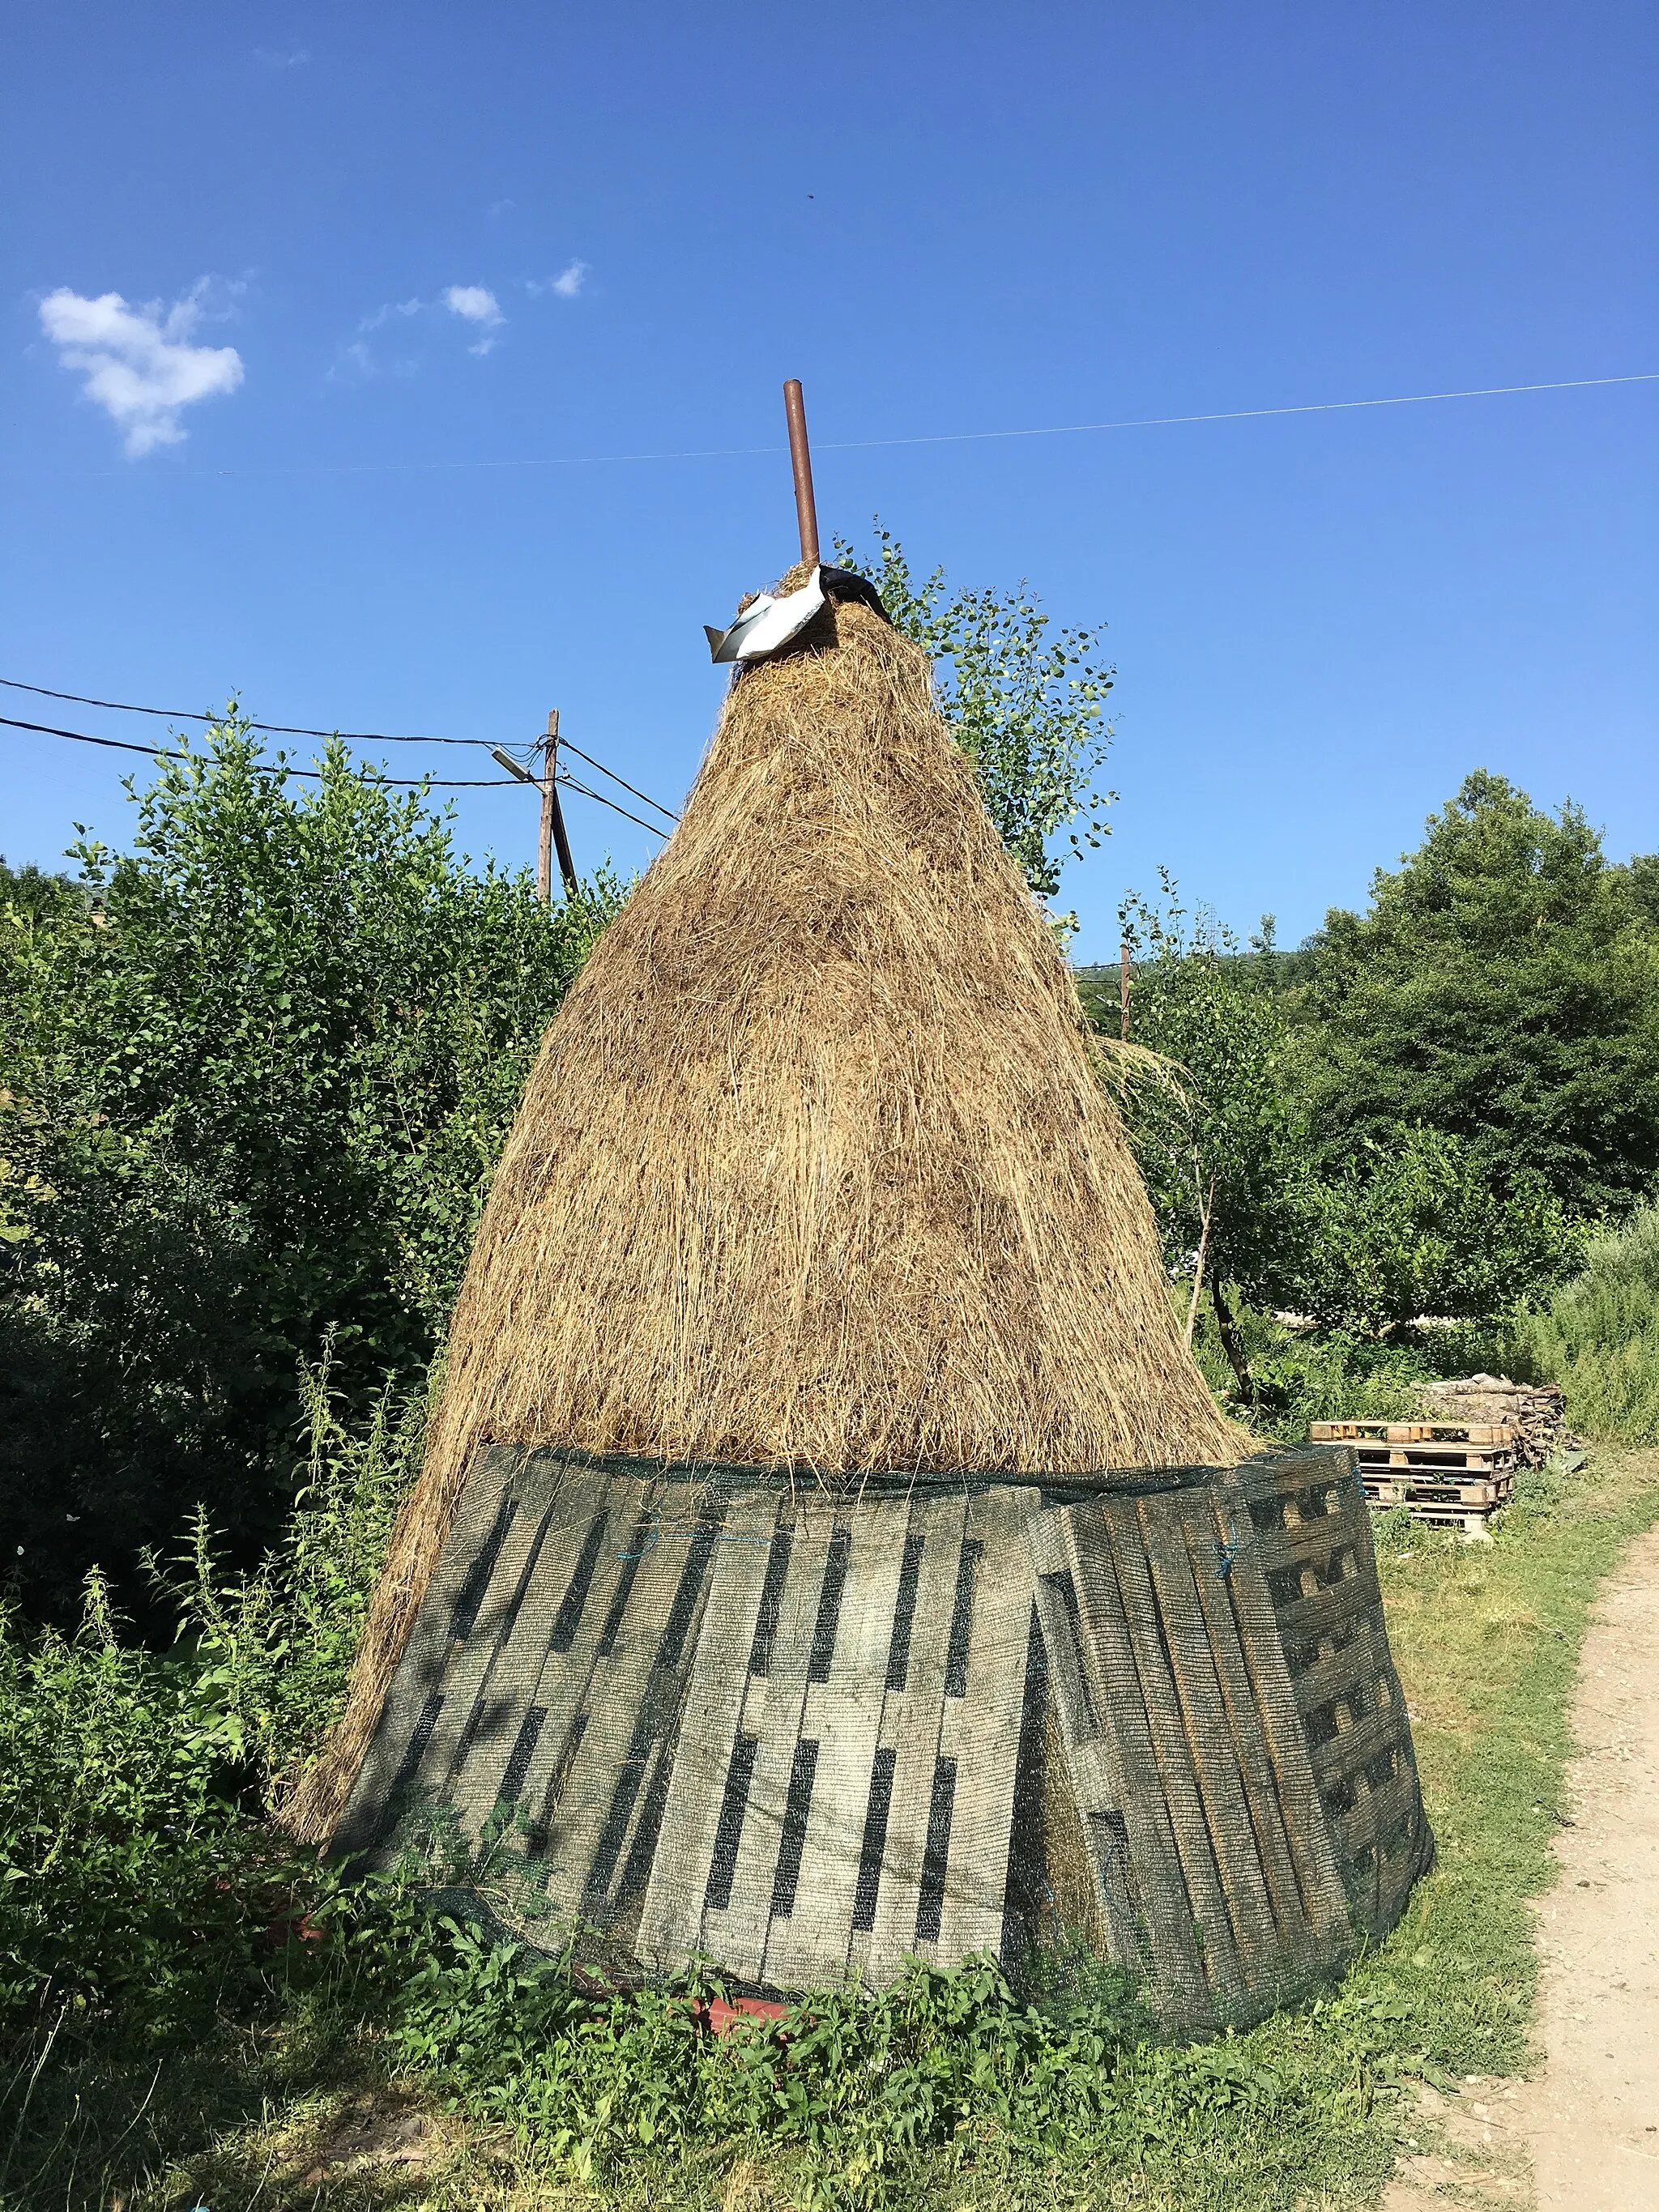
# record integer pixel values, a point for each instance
(816, 1169)
(816, 1264)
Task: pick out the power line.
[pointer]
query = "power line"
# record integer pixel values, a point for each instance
(314, 775)
(571, 781)
(565, 745)
(1244, 414)
(161, 752)
(272, 729)
(348, 737)
(943, 437)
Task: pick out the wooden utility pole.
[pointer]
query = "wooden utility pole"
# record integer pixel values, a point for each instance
(553, 833)
(800, 459)
(1123, 989)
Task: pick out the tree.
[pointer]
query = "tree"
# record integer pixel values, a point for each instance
(1504, 989)
(1415, 1226)
(1408, 1223)
(1641, 871)
(255, 1076)
(1025, 707)
(1207, 1108)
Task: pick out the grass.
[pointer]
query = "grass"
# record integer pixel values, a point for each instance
(940, 2096)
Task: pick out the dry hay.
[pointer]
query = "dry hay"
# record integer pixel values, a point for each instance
(816, 1168)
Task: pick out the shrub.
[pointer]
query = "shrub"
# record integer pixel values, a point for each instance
(135, 1887)
(1599, 1336)
(125, 1869)
(255, 1076)
(1414, 1225)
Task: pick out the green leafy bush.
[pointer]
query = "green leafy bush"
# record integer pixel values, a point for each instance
(1414, 1225)
(1599, 1336)
(136, 1880)
(275, 1647)
(1207, 1096)
(255, 1076)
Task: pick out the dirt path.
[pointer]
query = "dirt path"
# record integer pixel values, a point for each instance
(1593, 2119)
(1590, 2122)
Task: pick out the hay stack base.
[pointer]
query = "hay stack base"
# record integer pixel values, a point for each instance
(1148, 1719)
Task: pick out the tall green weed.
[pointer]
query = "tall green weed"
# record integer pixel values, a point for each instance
(135, 1877)
(1599, 1336)
(123, 1864)
(275, 1647)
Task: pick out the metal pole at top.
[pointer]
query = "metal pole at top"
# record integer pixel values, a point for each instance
(800, 459)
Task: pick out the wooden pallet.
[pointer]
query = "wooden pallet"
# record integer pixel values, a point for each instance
(1448, 1474)
(1414, 1432)
(1473, 1522)
(1416, 1486)
(803, 1732)
(1481, 1451)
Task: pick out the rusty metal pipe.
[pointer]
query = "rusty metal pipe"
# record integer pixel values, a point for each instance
(800, 459)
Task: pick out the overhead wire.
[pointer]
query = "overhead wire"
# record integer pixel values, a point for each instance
(271, 729)
(939, 437)
(348, 736)
(565, 746)
(314, 775)
(161, 752)
(571, 781)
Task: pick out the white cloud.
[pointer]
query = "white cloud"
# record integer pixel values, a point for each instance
(383, 315)
(476, 304)
(138, 363)
(359, 362)
(268, 57)
(565, 286)
(472, 303)
(356, 361)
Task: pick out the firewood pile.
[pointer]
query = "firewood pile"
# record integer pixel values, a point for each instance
(1535, 1411)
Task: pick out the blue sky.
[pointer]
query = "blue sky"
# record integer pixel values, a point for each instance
(386, 277)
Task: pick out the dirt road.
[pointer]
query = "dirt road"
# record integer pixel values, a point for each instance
(1589, 2123)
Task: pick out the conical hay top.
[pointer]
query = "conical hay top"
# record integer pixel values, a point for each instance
(816, 1168)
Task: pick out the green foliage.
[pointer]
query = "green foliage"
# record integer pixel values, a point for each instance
(126, 1880)
(1414, 1225)
(275, 1647)
(1599, 1336)
(256, 1082)
(1411, 1221)
(132, 1879)
(1209, 1116)
(1502, 989)
(30, 894)
(1025, 707)
(1642, 873)
(1300, 1375)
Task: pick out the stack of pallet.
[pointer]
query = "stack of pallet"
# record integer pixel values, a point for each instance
(1450, 1475)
